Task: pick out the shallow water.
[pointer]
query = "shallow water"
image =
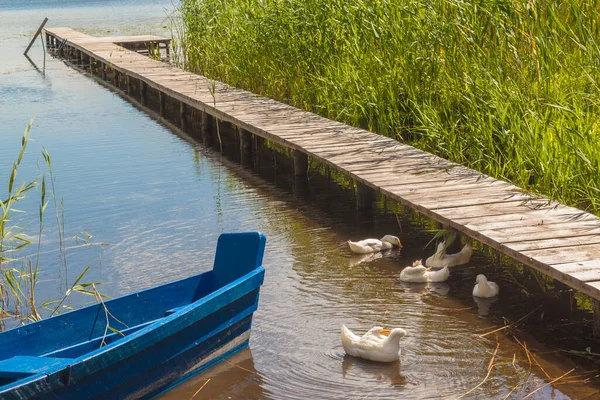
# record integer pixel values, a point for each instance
(161, 201)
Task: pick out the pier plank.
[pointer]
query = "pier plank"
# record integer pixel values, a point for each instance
(588, 252)
(552, 242)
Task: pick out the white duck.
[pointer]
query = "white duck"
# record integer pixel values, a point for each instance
(419, 273)
(374, 245)
(377, 344)
(440, 259)
(485, 288)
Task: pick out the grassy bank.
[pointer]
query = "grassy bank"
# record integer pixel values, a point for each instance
(508, 88)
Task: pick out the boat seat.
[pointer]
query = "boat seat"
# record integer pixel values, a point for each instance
(20, 366)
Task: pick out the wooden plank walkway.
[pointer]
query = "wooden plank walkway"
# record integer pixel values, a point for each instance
(137, 41)
(561, 241)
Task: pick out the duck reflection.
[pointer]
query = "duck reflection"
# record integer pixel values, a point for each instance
(439, 288)
(357, 259)
(484, 304)
(359, 369)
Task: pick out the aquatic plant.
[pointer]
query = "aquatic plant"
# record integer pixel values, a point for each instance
(18, 272)
(509, 89)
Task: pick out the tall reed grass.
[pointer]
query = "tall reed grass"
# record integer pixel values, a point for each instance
(507, 88)
(20, 267)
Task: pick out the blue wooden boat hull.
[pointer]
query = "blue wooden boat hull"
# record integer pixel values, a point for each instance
(166, 334)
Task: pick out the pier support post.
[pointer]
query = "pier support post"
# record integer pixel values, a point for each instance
(245, 146)
(365, 197)
(183, 116)
(596, 308)
(116, 78)
(565, 296)
(92, 61)
(207, 124)
(128, 80)
(258, 144)
(143, 96)
(161, 103)
(103, 68)
(300, 163)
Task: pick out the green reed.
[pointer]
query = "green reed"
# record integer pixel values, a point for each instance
(19, 272)
(507, 88)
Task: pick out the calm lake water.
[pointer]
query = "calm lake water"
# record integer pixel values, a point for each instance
(161, 201)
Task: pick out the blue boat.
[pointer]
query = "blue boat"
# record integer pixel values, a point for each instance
(166, 334)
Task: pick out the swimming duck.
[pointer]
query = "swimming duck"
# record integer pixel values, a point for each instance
(374, 245)
(419, 273)
(377, 344)
(440, 259)
(485, 288)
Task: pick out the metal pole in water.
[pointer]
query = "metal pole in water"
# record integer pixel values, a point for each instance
(36, 35)
(44, 50)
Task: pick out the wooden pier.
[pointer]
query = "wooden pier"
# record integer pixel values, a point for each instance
(560, 241)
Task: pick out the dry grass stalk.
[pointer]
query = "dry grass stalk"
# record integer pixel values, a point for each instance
(530, 356)
(382, 318)
(524, 346)
(107, 314)
(513, 324)
(201, 387)
(489, 371)
(549, 383)
(399, 224)
(511, 391)
(592, 395)
(242, 368)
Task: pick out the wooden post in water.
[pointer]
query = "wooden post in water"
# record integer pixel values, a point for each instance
(300, 163)
(143, 92)
(116, 78)
(183, 116)
(35, 36)
(257, 149)
(161, 103)
(206, 129)
(128, 81)
(245, 146)
(596, 308)
(103, 68)
(365, 197)
(565, 295)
